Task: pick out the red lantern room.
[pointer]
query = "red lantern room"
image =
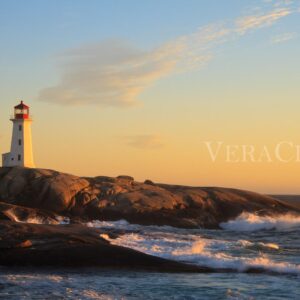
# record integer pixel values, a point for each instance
(22, 111)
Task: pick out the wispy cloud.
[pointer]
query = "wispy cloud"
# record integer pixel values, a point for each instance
(110, 73)
(262, 20)
(114, 73)
(150, 141)
(284, 37)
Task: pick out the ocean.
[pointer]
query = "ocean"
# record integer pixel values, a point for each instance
(254, 258)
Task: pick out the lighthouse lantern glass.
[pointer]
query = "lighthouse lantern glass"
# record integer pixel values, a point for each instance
(21, 113)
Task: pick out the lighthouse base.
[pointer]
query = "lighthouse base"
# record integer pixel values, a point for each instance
(11, 160)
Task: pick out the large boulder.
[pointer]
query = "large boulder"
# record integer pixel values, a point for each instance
(40, 188)
(107, 198)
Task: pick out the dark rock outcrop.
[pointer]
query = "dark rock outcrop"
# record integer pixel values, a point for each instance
(75, 246)
(107, 198)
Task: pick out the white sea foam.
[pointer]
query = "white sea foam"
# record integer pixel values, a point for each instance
(210, 248)
(206, 252)
(258, 245)
(30, 220)
(252, 222)
(63, 220)
(123, 224)
(110, 224)
(58, 220)
(221, 260)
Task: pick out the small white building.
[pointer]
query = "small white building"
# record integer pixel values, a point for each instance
(21, 143)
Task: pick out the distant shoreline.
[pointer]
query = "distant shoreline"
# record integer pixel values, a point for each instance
(293, 200)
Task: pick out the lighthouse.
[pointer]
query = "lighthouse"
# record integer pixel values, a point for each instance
(21, 143)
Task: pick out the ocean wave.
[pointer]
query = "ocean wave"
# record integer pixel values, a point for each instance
(30, 219)
(214, 249)
(252, 222)
(36, 219)
(110, 224)
(203, 252)
(221, 260)
(258, 245)
(123, 224)
(20, 284)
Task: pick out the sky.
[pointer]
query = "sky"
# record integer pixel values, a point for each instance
(152, 88)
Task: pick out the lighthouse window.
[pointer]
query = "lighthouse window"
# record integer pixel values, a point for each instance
(20, 127)
(20, 142)
(19, 157)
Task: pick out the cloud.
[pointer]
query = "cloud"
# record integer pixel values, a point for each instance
(284, 37)
(262, 20)
(280, 3)
(108, 73)
(145, 141)
(115, 73)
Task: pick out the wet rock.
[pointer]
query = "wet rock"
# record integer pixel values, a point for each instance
(24, 244)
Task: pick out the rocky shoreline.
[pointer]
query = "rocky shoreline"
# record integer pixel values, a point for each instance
(75, 246)
(45, 194)
(46, 197)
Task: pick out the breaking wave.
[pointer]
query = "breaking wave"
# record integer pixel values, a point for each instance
(252, 222)
(29, 219)
(36, 219)
(199, 253)
(222, 260)
(259, 245)
(220, 254)
(246, 244)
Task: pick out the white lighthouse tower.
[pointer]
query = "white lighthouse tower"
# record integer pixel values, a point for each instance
(21, 144)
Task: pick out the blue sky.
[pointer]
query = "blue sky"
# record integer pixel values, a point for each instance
(34, 33)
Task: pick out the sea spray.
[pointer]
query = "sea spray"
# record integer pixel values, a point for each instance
(208, 253)
(251, 248)
(253, 222)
